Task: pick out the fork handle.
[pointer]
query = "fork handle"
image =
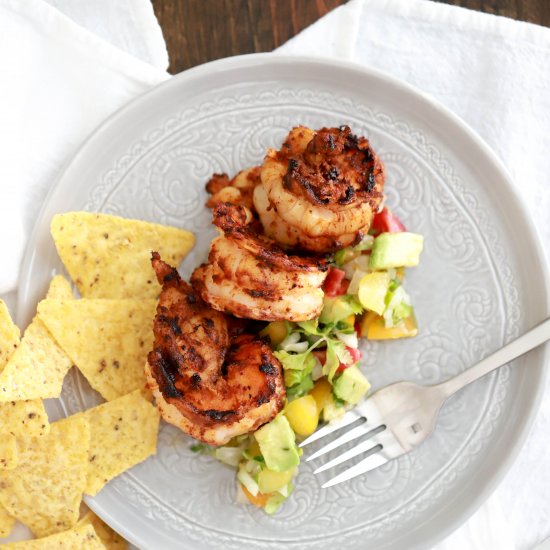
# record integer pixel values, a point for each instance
(535, 337)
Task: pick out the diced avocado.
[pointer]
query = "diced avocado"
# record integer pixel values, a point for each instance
(337, 308)
(396, 250)
(278, 445)
(401, 312)
(351, 385)
(274, 502)
(373, 288)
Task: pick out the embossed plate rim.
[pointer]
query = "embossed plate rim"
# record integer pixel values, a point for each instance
(439, 113)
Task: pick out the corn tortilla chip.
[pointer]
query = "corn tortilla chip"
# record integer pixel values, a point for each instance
(37, 367)
(107, 339)
(110, 539)
(24, 418)
(82, 537)
(60, 289)
(6, 523)
(123, 433)
(8, 452)
(9, 335)
(17, 418)
(110, 257)
(45, 490)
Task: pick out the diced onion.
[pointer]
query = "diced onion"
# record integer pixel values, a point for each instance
(360, 263)
(399, 296)
(229, 455)
(350, 340)
(366, 243)
(353, 287)
(317, 371)
(292, 343)
(246, 479)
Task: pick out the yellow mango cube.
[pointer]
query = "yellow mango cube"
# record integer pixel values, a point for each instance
(302, 415)
(373, 288)
(270, 481)
(373, 328)
(276, 331)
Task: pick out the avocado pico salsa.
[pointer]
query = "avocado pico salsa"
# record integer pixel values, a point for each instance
(364, 298)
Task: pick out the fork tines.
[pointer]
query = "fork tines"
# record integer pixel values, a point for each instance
(379, 445)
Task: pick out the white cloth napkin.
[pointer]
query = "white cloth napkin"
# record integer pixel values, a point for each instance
(64, 73)
(59, 81)
(495, 74)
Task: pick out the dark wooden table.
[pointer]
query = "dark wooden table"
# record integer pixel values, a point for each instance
(197, 31)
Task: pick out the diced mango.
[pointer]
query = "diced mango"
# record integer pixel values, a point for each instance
(270, 481)
(302, 415)
(322, 393)
(350, 320)
(373, 328)
(260, 500)
(253, 449)
(276, 331)
(373, 289)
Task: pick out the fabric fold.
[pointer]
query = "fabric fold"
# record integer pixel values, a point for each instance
(60, 82)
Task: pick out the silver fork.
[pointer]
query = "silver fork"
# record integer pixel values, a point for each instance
(399, 417)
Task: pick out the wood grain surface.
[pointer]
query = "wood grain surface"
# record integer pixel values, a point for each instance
(197, 31)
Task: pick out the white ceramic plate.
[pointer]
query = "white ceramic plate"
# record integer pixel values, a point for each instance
(480, 283)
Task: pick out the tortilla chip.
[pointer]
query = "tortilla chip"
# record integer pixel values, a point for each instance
(37, 367)
(24, 418)
(123, 433)
(45, 490)
(17, 418)
(9, 335)
(6, 523)
(80, 538)
(60, 289)
(110, 257)
(107, 339)
(8, 452)
(110, 539)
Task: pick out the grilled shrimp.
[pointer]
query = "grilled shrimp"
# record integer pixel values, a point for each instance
(321, 190)
(248, 275)
(208, 378)
(290, 236)
(237, 190)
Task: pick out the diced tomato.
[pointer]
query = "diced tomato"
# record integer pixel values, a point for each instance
(321, 354)
(357, 326)
(386, 222)
(335, 284)
(355, 356)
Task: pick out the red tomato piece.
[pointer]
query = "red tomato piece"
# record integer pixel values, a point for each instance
(321, 354)
(355, 356)
(335, 284)
(386, 222)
